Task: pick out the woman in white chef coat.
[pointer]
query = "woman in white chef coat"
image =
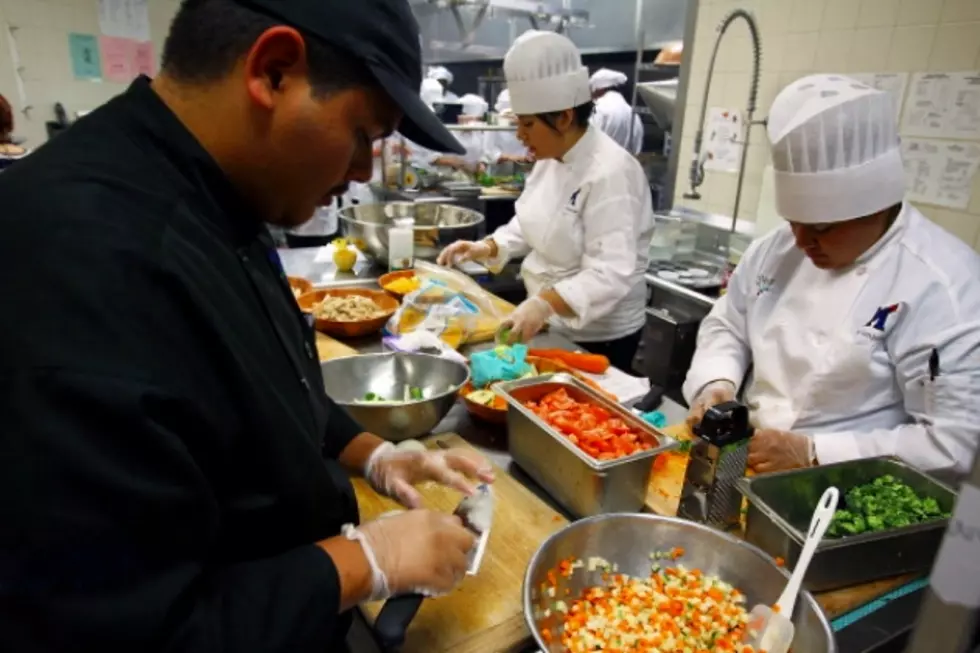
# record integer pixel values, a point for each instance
(613, 114)
(584, 220)
(839, 312)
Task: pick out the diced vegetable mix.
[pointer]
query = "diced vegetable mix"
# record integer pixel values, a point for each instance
(411, 393)
(880, 505)
(591, 428)
(674, 610)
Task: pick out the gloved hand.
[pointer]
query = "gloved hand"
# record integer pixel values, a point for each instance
(464, 250)
(414, 552)
(712, 394)
(394, 472)
(775, 451)
(527, 319)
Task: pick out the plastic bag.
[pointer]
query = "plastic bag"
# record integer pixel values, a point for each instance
(450, 305)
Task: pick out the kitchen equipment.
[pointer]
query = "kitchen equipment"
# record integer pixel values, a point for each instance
(580, 483)
(628, 540)
(780, 503)
(299, 286)
(476, 512)
(669, 339)
(401, 244)
(462, 189)
(718, 460)
(349, 329)
(385, 280)
(436, 225)
(349, 380)
(329, 348)
(769, 628)
(485, 613)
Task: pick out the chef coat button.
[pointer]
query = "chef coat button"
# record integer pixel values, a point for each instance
(861, 270)
(309, 350)
(306, 384)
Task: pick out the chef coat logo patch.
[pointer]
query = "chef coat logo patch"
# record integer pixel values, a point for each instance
(880, 319)
(763, 284)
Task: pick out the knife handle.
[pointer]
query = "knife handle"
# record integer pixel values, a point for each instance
(393, 620)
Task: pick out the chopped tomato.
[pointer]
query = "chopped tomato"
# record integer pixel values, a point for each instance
(591, 428)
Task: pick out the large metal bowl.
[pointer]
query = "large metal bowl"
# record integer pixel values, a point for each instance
(349, 379)
(627, 540)
(436, 225)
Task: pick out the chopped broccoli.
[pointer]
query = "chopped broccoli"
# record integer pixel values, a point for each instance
(881, 504)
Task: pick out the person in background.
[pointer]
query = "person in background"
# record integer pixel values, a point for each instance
(613, 114)
(10, 152)
(445, 78)
(174, 477)
(859, 318)
(474, 114)
(503, 146)
(584, 221)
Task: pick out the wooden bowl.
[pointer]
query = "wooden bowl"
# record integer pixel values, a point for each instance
(299, 286)
(386, 279)
(383, 300)
(496, 414)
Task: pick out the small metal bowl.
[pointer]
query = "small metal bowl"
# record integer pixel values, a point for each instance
(348, 380)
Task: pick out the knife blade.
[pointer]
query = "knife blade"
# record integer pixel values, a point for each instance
(476, 512)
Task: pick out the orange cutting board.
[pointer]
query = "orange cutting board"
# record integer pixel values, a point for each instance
(667, 478)
(329, 348)
(485, 613)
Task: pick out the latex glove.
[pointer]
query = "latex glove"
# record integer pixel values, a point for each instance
(712, 394)
(775, 451)
(414, 552)
(527, 319)
(464, 250)
(395, 472)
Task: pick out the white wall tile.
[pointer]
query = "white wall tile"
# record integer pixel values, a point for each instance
(878, 13)
(974, 206)
(840, 14)
(774, 17)
(806, 16)
(960, 11)
(834, 51)
(800, 51)
(911, 48)
(956, 48)
(919, 12)
(870, 48)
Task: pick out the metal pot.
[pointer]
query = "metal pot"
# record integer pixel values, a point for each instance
(436, 225)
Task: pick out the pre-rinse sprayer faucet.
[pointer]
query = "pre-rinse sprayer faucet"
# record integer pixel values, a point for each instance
(696, 175)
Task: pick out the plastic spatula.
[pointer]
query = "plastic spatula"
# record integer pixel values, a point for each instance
(771, 629)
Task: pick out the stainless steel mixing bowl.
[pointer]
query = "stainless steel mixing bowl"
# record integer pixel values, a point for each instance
(349, 379)
(436, 225)
(627, 540)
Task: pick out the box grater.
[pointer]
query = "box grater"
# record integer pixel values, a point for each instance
(718, 459)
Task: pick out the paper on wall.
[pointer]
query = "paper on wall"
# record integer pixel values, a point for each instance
(118, 57)
(85, 60)
(940, 172)
(895, 84)
(125, 19)
(723, 142)
(943, 105)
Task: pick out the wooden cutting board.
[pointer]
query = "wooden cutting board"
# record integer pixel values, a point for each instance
(485, 613)
(328, 348)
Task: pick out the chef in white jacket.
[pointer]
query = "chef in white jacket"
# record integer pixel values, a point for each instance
(584, 220)
(613, 114)
(445, 78)
(504, 146)
(839, 312)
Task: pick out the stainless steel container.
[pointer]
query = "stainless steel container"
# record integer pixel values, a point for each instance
(581, 484)
(628, 540)
(781, 504)
(436, 225)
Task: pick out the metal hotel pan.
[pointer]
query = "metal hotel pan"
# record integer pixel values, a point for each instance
(780, 506)
(581, 484)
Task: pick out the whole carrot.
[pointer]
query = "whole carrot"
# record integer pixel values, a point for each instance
(592, 363)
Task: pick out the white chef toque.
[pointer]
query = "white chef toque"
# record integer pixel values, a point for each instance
(473, 105)
(431, 92)
(544, 73)
(502, 105)
(440, 74)
(835, 150)
(605, 78)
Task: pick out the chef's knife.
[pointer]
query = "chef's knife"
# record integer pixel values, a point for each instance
(477, 514)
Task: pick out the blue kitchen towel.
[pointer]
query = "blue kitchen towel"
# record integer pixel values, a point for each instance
(656, 418)
(852, 617)
(498, 364)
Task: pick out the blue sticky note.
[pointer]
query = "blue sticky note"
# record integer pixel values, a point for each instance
(85, 60)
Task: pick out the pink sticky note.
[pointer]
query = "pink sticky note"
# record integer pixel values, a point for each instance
(145, 61)
(118, 56)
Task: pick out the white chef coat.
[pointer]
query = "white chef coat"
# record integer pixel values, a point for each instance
(585, 224)
(843, 356)
(499, 143)
(614, 115)
(475, 143)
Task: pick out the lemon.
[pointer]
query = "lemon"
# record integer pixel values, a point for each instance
(344, 259)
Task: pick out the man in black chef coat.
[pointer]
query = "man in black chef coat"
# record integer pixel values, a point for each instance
(172, 475)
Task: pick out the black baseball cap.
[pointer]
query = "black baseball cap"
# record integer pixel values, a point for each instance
(385, 36)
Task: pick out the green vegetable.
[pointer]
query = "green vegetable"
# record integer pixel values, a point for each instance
(415, 393)
(372, 397)
(484, 397)
(880, 505)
